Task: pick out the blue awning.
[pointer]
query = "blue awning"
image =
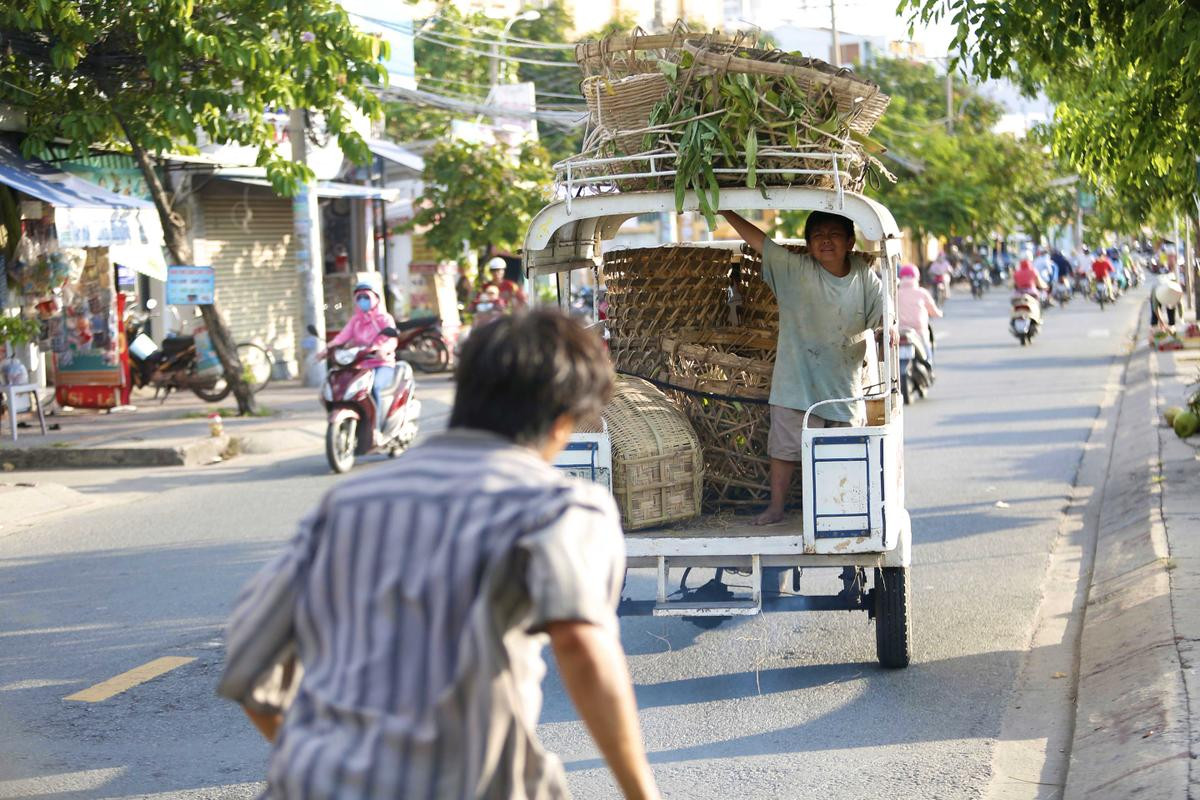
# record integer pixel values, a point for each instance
(85, 215)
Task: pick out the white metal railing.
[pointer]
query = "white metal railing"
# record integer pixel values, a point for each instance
(577, 173)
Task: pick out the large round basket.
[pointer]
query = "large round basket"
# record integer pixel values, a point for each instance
(658, 469)
(620, 55)
(620, 109)
(854, 95)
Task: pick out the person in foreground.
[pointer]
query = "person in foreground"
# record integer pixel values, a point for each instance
(419, 599)
(828, 298)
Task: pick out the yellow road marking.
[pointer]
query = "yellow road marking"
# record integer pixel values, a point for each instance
(127, 680)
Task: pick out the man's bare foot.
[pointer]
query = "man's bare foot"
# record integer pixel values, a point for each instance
(769, 517)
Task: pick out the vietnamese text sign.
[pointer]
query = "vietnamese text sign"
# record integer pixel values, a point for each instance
(190, 285)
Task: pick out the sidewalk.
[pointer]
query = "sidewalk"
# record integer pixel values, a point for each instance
(1138, 698)
(173, 433)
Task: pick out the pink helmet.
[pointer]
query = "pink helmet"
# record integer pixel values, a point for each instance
(908, 271)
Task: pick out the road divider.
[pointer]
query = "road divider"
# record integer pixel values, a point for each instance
(127, 680)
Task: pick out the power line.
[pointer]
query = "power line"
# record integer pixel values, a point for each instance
(449, 81)
(564, 120)
(430, 37)
(520, 44)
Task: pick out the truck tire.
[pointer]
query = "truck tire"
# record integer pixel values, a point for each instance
(893, 613)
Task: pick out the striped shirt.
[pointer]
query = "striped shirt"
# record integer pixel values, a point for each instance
(416, 599)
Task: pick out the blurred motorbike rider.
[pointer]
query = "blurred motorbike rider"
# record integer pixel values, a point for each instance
(915, 306)
(365, 329)
(511, 294)
(1026, 279)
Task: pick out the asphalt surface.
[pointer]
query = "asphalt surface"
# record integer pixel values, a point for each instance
(778, 706)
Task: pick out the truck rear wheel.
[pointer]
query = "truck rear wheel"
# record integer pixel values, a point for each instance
(893, 627)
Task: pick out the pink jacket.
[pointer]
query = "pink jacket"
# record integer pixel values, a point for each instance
(364, 329)
(915, 306)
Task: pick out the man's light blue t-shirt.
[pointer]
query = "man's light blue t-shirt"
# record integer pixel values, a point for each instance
(820, 353)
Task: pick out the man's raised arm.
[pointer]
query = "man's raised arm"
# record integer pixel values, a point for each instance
(749, 232)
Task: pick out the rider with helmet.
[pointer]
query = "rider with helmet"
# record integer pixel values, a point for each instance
(512, 296)
(365, 329)
(915, 306)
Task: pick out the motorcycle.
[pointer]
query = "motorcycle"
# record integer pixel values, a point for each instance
(941, 289)
(179, 364)
(353, 418)
(916, 366)
(422, 344)
(1062, 292)
(1103, 294)
(1026, 317)
(979, 282)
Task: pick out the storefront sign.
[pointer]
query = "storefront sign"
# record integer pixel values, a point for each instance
(191, 285)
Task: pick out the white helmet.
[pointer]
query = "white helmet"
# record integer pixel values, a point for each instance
(496, 263)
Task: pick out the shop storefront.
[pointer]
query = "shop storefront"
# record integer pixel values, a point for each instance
(77, 247)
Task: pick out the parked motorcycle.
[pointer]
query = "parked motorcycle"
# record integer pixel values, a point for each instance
(180, 365)
(916, 365)
(422, 344)
(1026, 317)
(353, 428)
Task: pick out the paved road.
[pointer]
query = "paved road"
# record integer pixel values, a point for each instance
(780, 706)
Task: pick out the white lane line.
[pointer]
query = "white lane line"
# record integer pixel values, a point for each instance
(34, 683)
(1099, 333)
(127, 680)
(86, 780)
(247, 790)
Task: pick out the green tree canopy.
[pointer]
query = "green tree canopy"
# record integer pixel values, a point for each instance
(1123, 76)
(153, 76)
(481, 195)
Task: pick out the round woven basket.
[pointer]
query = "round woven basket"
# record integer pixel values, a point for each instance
(621, 108)
(854, 95)
(623, 54)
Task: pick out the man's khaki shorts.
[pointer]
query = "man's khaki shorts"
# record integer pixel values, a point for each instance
(784, 440)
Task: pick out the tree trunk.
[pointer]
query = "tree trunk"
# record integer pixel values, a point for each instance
(175, 233)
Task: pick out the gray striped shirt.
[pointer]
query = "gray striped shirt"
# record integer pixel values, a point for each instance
(416, 598)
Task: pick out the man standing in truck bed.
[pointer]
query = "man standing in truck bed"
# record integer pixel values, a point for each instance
(827, 298)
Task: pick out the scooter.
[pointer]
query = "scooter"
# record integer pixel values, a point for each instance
(979, 281)
(1026, 317)
(1103, 294)
(353, 418)
(916, 366)
(420, 342)
(1061, 292)
(941, 289)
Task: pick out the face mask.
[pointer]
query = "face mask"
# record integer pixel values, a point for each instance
(363, 303)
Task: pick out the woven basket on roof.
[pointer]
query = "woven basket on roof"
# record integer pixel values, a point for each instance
(622, 54)
(854, 95)
(658, 471)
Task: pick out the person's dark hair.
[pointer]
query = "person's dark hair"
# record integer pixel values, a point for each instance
(519, 374)
(818, 217)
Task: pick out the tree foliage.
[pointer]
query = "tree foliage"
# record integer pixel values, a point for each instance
(1122, 75)
(972, 182)
(155, 76)
(164, 73)
(480, 195)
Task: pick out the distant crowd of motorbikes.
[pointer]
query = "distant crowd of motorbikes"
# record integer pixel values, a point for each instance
(1101, 276)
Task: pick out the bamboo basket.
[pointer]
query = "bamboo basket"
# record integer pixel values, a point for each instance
(636, 53)
(657, 466)
(711, 361)
(656, 290)
(853, 95)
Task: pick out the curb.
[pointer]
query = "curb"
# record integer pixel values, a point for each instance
(1132, 728)
(191, 454)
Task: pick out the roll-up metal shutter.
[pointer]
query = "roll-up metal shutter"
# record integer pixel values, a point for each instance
(250, 243)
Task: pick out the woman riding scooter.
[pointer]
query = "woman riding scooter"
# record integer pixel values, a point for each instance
(365, 329)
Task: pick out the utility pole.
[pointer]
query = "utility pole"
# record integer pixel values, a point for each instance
(306, 224)
(949, 98)
(837, 48)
